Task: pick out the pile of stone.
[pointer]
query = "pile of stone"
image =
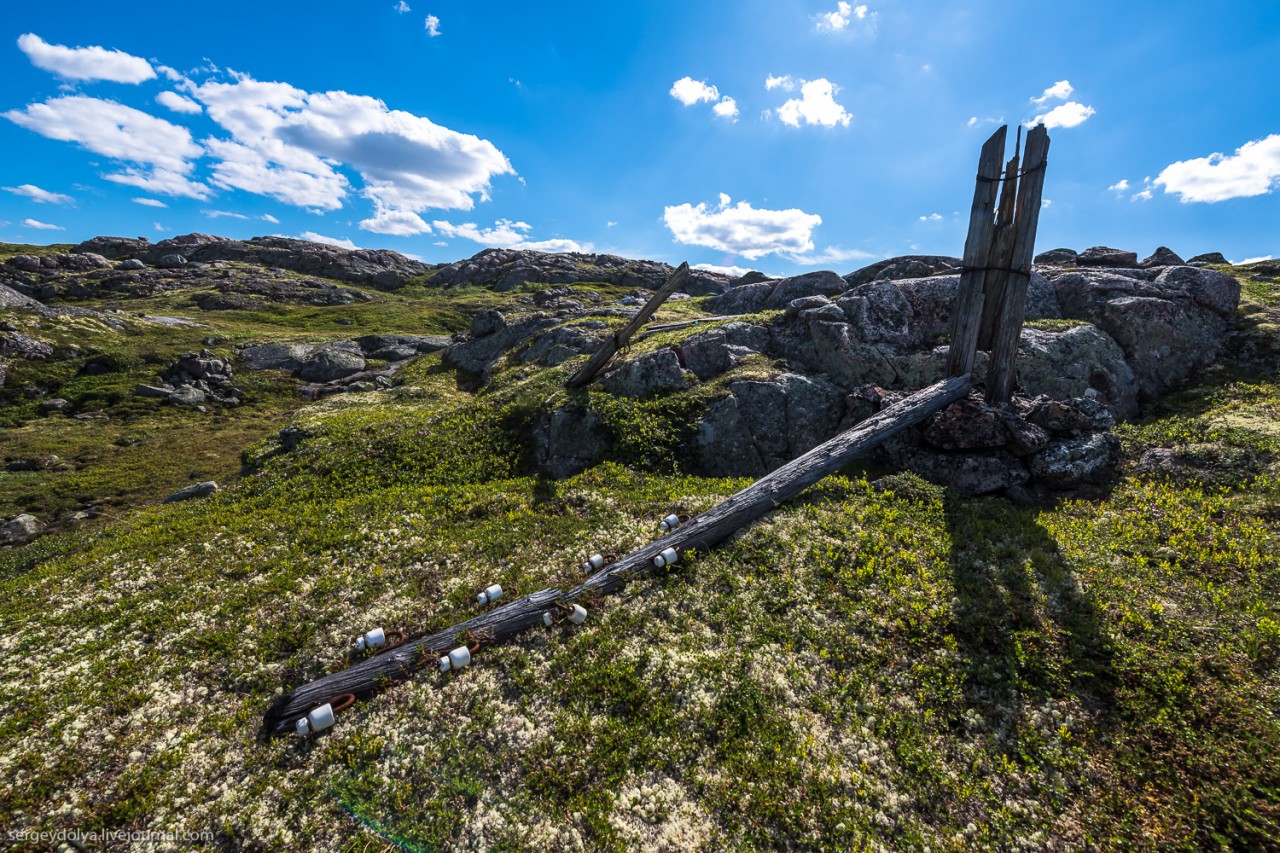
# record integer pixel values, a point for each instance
(507, 269)
(194, 380)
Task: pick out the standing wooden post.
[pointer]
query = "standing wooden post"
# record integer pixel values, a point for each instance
(998, 260)
(1008, 328)
(967, 312)
(612, 344)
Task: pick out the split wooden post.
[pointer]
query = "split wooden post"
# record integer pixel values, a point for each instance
(1008, 327)
(613, 344)
(703, 531)
(998, 260)
(967, 312)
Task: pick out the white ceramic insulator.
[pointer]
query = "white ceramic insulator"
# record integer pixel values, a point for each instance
(671, 522)
(547, 619)
(303, 727)
(493, 593)
(375, 639)
(668, 557)
(444, 664)
(579, 614)
(596, 561)
(460, 657)
(316, 721)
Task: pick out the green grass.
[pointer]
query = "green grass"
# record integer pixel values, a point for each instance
(893, 668)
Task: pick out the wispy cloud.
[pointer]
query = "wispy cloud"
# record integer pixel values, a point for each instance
(1119, 186)
(838, 20)
(328, 241)
(178, 103)
(267, 217)
(402, 7)
(506, 234)
(932, 217)
(41, 226)
(149, 202)
(40, 196)
(85, 63)
(220, 214)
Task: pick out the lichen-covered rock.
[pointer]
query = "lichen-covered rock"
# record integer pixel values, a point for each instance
(646, 375)
(1075, 461)
(193, 491)
(1163, 340)
(18, 345)
(487, 322)
(276, 356)
(819, 283)
(968, 473)
(1162, 257)
(330, 363)
(1208, 258)
(1066, 364)
(967, 424)
(744, 299)
(477, 356)
(567, 442)
(20, 529)
(905, 266)
(724, 444)
(1057, 258)
(1104, 256)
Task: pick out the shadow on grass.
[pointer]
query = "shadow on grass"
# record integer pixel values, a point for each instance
(1026, 627)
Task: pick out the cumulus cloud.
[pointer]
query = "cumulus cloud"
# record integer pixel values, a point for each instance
(932, 217)
(328, 241)
(1145, 195)
(149, 202)
(816, 105)
(731, 271)
(401, 223)
(1069, 114)
(85, 63)
(506, 234)
(1119, 186)
(1254, 169)
(727, 108)
(432, 26)
(688, 91)
(741, 228)
(41, 226)
(1059, 91)
(785, 82)
(162, 152)
(178, 103)
(285, 141)
(834, 22)
(40, 196)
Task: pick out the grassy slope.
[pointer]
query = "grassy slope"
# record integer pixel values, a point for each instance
(875, 669)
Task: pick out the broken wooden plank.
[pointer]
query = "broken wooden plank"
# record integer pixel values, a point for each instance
(967, 311)
(1008, 328)
(701, 532)
(611, 345)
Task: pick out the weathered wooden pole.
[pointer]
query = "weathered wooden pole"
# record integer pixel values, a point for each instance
(703, 531)
(998, 259)
(1007, 330)
(612, 344)
(967, 312)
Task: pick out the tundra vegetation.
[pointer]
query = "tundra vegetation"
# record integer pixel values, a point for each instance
(880, 664)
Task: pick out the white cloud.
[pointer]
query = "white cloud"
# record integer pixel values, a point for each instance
(1254, 169)
(1059, 91)
(85, 63)
(831, 255)
(178, 103)
(40, 196)
(688, 91)
(402, 7)
(974, 121)
(328, 241)
(286, 143)
(834, 22)
(1069, 114)
(732, 272)
(402, 223)
(149, 202)
(160, 227)
(1120, 186)
(170, 73)
(267, 217)
(219, 214)
(742, 229)
(163, 150)
(41, 226)
(1258, 259)
(1045, 203)
(610, 224)
(432, 26)
(1145, 195)
(816, 105)
(727, 108)
(932, 217)
(506, 234)
(785, 82)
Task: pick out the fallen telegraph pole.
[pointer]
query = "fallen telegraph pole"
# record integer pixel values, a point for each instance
(457, 643)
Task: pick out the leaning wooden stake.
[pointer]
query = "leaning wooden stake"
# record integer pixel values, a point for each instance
(701, 532)
(611, 345)
(1008, 326)
(967, 312)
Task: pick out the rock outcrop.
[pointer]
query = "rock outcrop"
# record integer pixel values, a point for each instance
(508, 269)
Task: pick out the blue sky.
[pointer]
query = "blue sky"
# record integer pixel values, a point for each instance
(780, 137)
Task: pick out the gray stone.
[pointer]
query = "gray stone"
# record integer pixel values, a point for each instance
(819, 283)
(24, 263)
(744, 299)
(1208, 258)
(705, 354)
(746, 335)
(752, 277)
(171, 261)
(1057, 258)
(487, 322)
(22, 528)
(557, 345)
(967, 424)
(647, 375)
(969, 473)
(829, 312)
(18, 345)
(276, 356)
(906, 266)
(195, 490)
(1218, 292)
(1025, 437)
(567, 442)
(762, 409)
(1062, 365)
(330, 363)
(724, 444)
(1076, 461)
(1163, 341)
(477, 356)
(1104, 256)
(187, 395)
(371, 344)
(132, 264)
(1162, 257)
(796, 306)
(57, 404)
(159, 392)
